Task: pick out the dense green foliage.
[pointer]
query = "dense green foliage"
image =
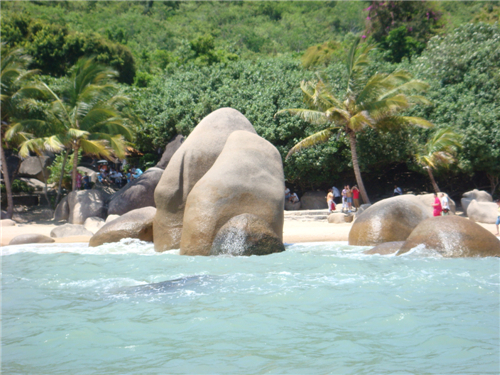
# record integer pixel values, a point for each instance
(18, 186)
(187, 59)
(55, 49)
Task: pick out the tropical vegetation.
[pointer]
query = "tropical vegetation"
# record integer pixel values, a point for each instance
(163, 66)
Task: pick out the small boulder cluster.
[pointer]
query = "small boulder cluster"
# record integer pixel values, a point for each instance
(399, 224)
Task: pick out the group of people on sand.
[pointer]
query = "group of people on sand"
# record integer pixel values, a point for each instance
(116, 177)
(291, 197)
(349, 196)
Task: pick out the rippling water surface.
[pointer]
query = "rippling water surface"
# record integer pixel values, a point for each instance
(316, 308)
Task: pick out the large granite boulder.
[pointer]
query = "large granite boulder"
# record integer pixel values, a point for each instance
(452, 237)
(246, 234)
(482, 212)
(7, 223)
(386, 248)
(336, 218)
(313, 200)
(170, 150)
(111, 218)
(70, 230)
(84, 204)
(134, 224)
(391, 219)
(33, 183)
(192, 160)
(62, 210)
(246, 178)
(30, 238)
(138, 194)
(31, 167)
(477, 195)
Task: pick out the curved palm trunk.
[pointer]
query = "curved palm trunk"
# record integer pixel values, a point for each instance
(75, 165)
(61, 178)
(8, 186)
(355, 166)
(433, 181)
(44, 180)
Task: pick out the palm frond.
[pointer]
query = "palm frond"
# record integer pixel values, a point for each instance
(313, 140)
(309, 115)
(95, 147)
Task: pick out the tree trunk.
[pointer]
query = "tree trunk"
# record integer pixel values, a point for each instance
(44, 180)
(494, 181)
(433, 181)
(8, 186)
(75, 165)
(355, 166)
(61, 178)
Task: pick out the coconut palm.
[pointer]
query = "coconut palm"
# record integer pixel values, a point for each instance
(16, 90)
(439, 151)
(368, 102)
(91, 114)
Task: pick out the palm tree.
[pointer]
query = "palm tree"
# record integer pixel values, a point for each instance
(15, 89)
(90, 114)
(439, 151)
(369, 102)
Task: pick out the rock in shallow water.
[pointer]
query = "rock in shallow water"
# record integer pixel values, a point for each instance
(70, 230)
(388, 220)
(453, 237)
(134, 224)
(246, 234)
(30, 238)
(246, 178)
(190, 162)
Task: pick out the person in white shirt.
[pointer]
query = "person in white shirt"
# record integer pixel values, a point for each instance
(336, 195)
(294, 198)
(445, 204)
(397, 191)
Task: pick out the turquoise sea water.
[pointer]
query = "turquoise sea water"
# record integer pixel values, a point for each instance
(313, 309)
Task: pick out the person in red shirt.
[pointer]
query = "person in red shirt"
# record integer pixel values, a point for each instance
(355, 196)
(437, 206)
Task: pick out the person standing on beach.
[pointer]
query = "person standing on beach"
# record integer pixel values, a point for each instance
(329, 201)
(355, 196)
(498, 218)
(445, 204)
(344, 198)
(437, 206)
(349, 198)
(336, 195)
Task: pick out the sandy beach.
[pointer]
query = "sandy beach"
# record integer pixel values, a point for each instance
(294, 231)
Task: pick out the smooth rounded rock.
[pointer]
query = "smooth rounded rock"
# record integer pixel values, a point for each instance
(70, 230)
(30, 238)
(386, 248)
(138, 193)
(452, 237)
(313, 200)
(478, 195)
(388, 220)
(482, 212)
(289, 206)
(190, 162)
(427, 201)
(246, 178)
(134, 224)
(246, 234)
(93, 224)
(7, 223)
(62, 210)
(32, 168)
(84, 204)
(111, 218)
(336, 218)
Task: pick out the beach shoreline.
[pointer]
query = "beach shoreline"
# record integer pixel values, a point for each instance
(294, 231)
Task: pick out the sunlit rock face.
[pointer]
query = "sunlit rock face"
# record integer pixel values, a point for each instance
(452, 237)
(388, 220)
(246, 234)
(477, 195)
(190, 162)
(482, 212)
(247, 178)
